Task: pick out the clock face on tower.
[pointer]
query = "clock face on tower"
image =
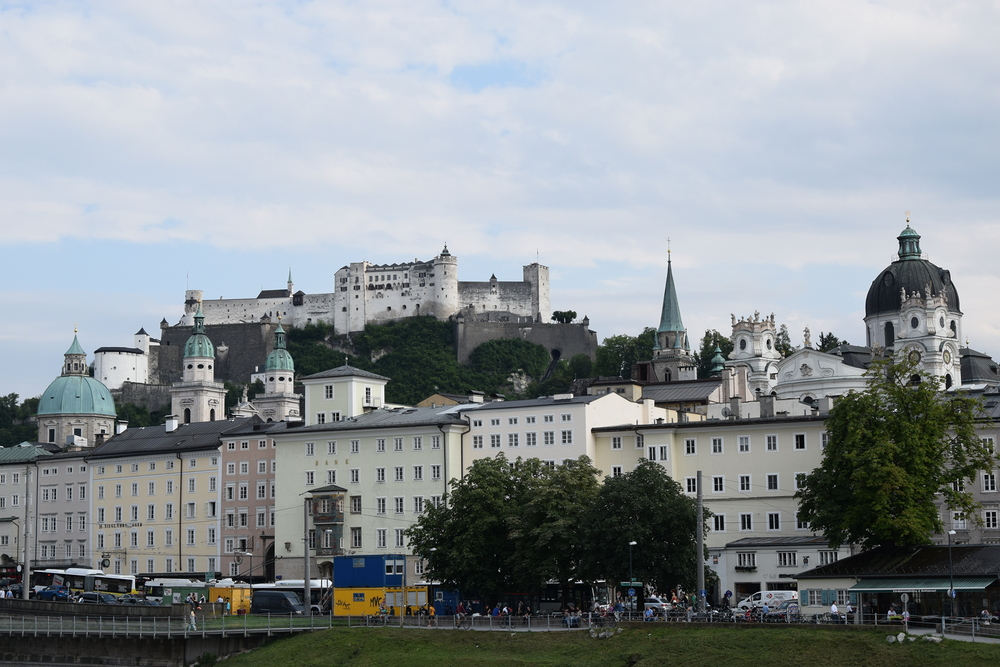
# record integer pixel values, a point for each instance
(947, 357)
(914, 357)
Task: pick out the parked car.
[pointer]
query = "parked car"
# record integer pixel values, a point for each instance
(54, 593)
(136, 600)
(276, 603)
(788, 610)
(658, 605)
(97, 598)
(17, 591)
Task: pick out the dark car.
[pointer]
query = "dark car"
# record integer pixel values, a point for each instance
(17, 591)
(787, 611)
(97, 598)
(54, 593)
(280, 603)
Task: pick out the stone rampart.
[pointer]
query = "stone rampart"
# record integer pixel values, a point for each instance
(561, 340)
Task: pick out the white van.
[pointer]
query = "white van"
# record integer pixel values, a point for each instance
(772, 598)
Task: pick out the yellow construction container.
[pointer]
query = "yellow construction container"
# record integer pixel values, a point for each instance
(237, 596)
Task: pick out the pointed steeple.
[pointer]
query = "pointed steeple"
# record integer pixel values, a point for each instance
(670, 316)
(75, 358)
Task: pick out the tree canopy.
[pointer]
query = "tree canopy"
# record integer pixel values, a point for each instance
(616, 354)
(15, 420)
(891, 449)
(649, 507)
(829, 341)
(507, 525)
(564, 316)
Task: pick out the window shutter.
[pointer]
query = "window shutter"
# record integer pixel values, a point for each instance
(826, 597)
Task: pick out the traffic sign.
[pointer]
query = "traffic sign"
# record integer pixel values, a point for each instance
(631, 592)
(905, 597)
(702, 593)
(728, 594)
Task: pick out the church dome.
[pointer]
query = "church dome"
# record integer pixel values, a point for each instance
(76, 395)
(912, 273)
(279, 359)
(199, 344)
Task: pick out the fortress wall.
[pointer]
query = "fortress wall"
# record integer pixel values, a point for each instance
(567, 339)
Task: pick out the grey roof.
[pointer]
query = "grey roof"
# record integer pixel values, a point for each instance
(790, 541)
(395, 418)
(968, 559)
(329, 488)
(273, 294)
(544, 401)
(156, 439)
(684, 391)
(977, 367)
(132, 350)
(854, 355)
(254, 425)
(345, 371)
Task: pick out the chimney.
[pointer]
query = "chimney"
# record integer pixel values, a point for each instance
(172, 423)
(767, 406)
(120, 427)
(734, 407)
(476, 396)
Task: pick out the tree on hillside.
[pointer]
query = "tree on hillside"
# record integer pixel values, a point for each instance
(616, 354)
(15, 420)
(564, 316)
(706, 351)
(649, 507)
(892, 448)
(829, 341)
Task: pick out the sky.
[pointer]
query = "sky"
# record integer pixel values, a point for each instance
(147, 148)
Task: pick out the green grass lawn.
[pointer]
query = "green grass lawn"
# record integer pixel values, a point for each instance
(661, 645)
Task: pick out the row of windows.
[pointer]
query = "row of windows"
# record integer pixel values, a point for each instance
(50, 550)
(192, 486)
(244, 467)
(416, 445)
(245, 445)
(530, 439)
(748, 559)
(398, 504)
(50, 523)
(241, 519)
(746, 522)
(133, 564)
(399, 475)
(46, 472)
(744, 483)
(743, 444)
(242, 491)
(50, 494)
(133, 538)
(640, 441)
(565, 418)
(381, 539)
(211, 511)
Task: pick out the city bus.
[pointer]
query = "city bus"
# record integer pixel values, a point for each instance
(83, 580)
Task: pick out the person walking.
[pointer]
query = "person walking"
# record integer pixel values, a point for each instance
(192, 621)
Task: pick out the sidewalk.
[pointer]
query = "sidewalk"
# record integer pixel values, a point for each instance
(956, 636)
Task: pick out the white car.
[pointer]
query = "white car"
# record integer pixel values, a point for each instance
(658, 605)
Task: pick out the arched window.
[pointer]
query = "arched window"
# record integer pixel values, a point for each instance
(187, 415)
(947, 381)
(211, 415)
(890, 334)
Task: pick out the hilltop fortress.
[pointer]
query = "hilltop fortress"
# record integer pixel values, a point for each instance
(242, 330)
(377, 293)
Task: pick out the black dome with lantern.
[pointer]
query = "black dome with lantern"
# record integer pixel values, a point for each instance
(912, 273)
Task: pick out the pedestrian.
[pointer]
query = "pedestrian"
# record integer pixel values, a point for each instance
(431, 614)
(906, 618)
(228, 607)
(192, 621)
(834, 614)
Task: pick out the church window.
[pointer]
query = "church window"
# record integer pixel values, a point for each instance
(201, 365)
(914, 323)
(941, 321)
(743, 343)
(890, 334)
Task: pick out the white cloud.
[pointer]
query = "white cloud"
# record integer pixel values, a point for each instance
(776, 143)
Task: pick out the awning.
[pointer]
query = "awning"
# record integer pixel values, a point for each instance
(921, 584)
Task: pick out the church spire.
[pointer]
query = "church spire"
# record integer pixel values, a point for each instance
(671, 332)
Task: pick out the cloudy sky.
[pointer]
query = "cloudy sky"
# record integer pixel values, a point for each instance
(148, 147)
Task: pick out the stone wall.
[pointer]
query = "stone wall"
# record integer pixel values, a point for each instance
(152, 396)
(564, 340)
(239, 348)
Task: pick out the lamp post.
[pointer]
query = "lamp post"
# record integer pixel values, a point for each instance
(630, 545)
(250, 573)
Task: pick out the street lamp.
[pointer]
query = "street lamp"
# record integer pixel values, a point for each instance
(250, 574)
(630, 545)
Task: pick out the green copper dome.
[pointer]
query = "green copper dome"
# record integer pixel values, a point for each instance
(75, 348)
(199, 345)
(279, 359)
(76, 395)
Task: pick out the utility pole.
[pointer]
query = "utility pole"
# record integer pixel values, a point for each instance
(307, 584)
(700, 546)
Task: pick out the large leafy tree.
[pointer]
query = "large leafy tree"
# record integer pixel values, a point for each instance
(616, 354)
(892, 449)
(649, 507)
(547, 530)
(507, 526)
(829, 341)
